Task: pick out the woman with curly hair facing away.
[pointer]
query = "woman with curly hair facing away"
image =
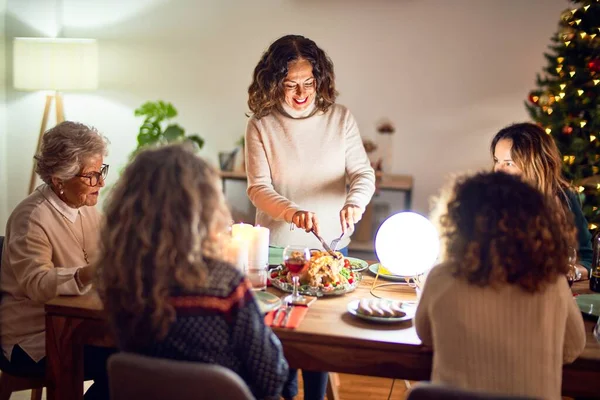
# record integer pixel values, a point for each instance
(301, 150)
(498, 310)
(526, 149)
(165, 289)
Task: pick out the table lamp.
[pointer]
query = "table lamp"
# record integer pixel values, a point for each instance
(55, 65)
(407, 245)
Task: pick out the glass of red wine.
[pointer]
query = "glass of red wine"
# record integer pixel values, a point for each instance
(295, 259)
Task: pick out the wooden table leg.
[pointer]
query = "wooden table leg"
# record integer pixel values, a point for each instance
(64, 358)
(333, 384)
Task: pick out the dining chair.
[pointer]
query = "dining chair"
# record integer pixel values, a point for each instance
(430, 391)
(12, 383)
(133, 376)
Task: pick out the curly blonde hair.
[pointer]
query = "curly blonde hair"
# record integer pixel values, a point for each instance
(497, 229)
(266, 90)
(163, 220)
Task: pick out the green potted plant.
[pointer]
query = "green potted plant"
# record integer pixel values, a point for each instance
(157, 128)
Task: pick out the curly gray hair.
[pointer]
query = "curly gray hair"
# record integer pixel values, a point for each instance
(66, 148)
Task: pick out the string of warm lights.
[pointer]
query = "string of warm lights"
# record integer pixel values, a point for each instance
(567, 101)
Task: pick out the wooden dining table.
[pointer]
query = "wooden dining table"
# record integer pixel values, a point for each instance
(328, 339)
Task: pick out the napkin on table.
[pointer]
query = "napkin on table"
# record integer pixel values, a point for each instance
(297, 314)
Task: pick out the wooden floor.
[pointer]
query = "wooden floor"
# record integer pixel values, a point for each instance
(356, 387)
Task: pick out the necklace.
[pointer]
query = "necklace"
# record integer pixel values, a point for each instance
(85, 254)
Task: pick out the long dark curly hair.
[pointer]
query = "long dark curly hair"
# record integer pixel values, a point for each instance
(266, 90)
(497, 229)
(163, 219)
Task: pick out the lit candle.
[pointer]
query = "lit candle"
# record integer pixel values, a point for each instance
(237, 253)
(242, 231)
(259, 247)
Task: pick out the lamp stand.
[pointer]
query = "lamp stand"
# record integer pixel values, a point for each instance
(60, 117)
(411, 281)
(375, 286)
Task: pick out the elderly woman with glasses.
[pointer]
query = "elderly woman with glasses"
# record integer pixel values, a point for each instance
(50, 246)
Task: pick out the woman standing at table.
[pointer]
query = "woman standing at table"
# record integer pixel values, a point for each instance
(498, 311)
(50, 249)
(301, 150)
(165, 288)
(525, 149)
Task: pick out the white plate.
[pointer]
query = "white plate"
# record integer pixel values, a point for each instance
(361, 265)
(267, 301)
(373, 268)
(409, 310)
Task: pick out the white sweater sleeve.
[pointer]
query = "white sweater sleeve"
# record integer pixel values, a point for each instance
(260, 186)
(422, 319)
(358, 166)
(575, 328)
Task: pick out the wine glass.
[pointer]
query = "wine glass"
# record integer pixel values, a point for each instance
(572, 262)
(295, 259)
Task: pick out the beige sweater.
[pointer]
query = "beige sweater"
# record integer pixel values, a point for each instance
(42, 251)
(298, 161)
(499, 340)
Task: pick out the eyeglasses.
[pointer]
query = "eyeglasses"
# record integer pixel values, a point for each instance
(94, 177)
(292, 87)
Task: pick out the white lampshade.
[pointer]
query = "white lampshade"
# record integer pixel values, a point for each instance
(407, 244)
(55, 64)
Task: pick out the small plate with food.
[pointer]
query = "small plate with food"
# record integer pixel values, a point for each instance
(356, 264)
(381, 310)
(323, 275)
(386, 274)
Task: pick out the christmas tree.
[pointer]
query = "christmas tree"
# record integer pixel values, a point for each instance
(567, 104)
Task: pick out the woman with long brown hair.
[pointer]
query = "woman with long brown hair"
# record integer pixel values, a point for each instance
(166, 290)
(498, 311)
(526, 149)
(302, 149)
(301, 145)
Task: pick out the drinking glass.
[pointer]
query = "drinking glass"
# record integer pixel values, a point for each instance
(295, 259)
(572, 262)
(257, 275)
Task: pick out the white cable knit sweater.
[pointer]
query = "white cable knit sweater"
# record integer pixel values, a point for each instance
(501, 340)
(299, 161)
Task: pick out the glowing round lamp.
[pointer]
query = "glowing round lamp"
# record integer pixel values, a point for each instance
(407, 244)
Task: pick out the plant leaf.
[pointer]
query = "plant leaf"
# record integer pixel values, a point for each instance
(150, 132)
(146, 109)
(156, 110)
(196, 139)
(144, 139)
(173, 132)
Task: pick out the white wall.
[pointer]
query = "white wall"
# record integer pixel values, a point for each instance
(3, 83)
(448, 74)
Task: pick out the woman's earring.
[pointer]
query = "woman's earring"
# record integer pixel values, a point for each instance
(62, 191)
